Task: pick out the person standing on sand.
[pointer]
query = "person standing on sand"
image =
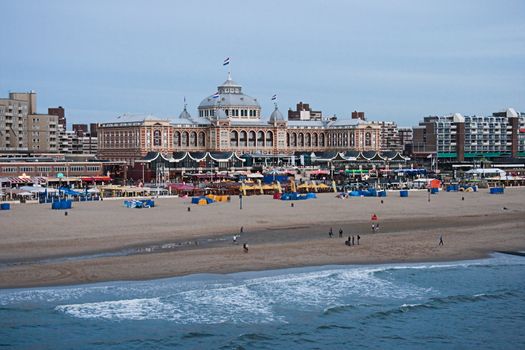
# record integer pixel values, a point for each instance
(234, 239)
(245, 247)
(340, 233)
(353, 241)
(441, 240)
(330, 233)
(373, 228)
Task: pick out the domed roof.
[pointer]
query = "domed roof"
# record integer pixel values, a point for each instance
(184, 114)
(276, 116)
(220, 115)
(230, 95)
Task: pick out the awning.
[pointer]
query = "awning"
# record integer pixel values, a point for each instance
(96, 178)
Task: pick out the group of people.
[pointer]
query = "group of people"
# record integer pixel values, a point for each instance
(375, 228)
(351, 239)
(235, 237)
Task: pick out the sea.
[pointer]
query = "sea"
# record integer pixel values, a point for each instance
(477, 304)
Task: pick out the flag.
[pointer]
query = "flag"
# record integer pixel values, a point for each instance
(430, 155)
(216, 95)
(226, 61)
(274, 97)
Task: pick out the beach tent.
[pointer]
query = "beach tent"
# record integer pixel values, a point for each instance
(201, 200)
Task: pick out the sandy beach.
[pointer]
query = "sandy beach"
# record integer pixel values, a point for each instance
(103, 241)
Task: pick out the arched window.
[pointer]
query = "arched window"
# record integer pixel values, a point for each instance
(301, 140)
(288, 139)
(193, 139)
(242, 138)
(202, 139)
(308, 141)
(352, 139)
(185, 139)
(157, 141)
(176, 139)
(368, 139)
(251, 138)
(321, 140)
(269, 139)
(234, 138)
(260, 139)
(294, 140)
(315, 140)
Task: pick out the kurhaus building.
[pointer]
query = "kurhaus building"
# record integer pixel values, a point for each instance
(232, 122)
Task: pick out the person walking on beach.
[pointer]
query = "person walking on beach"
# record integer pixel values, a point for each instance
(353, 241)
(441, 240)
(234, 239)
(358, 238)
(373, 228)
(242, 229)
(348, 242)
(245, 247)
(330, 233)
(340, 233)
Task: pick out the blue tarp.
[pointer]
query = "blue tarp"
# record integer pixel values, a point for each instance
(5, 206)
(294, 196)
(497, 190)
(271, 178)
(403, 193)
(61, 204)
(68, 191)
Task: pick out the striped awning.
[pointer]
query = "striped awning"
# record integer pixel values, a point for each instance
(24, 180)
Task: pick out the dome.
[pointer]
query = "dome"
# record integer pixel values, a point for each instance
(184, 114)
(220, 115)
(276, 116)
(230, 95)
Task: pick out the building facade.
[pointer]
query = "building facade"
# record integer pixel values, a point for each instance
(22, 129)
(231, 121)
(457, 137)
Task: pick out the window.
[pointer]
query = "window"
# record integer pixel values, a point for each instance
(156, 138)
(234, 136)
(269, 139)
(92, 168)
(9, 170)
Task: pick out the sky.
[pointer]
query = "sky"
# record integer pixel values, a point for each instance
(394, 60)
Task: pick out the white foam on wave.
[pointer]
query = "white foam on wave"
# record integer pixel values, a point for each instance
(204, 306)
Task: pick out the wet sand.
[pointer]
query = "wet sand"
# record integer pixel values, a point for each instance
(104, 241)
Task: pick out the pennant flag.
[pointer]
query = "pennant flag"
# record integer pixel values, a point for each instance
(216, 95)
(274, 97)
(430, 155)
(226, 61)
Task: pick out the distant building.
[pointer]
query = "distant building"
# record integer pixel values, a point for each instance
(230, 122)
(390, 140)
(80, 129)
(358, 115)
(13, 120)
(406, 136)
(60, 113)
(22, 129)
(460, 138)
(303, 112)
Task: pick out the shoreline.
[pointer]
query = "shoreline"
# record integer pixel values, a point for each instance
(293, 237)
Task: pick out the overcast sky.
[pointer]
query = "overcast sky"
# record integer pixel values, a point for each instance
(394, 60)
